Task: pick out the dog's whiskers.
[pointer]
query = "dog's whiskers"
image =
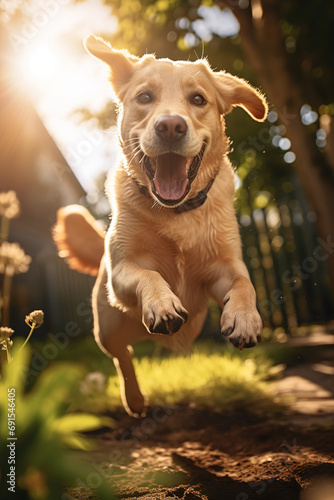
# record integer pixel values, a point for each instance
(134, 142)
(135, 152)
(141, 162)
(133, 157)
(132, 150)
(136, 148)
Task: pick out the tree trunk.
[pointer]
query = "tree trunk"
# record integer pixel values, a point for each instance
(263, 45)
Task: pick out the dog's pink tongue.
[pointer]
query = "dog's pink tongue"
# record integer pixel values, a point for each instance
(171, 177)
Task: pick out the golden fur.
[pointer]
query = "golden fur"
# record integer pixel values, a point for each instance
(159, 267)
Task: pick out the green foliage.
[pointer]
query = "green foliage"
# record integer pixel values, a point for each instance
(212, 376)
(140, 22)
(44, 432)
(215, 375)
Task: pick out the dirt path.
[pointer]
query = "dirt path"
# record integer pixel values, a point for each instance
(189, 453)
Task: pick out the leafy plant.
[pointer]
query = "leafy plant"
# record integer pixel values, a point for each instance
(37, 432)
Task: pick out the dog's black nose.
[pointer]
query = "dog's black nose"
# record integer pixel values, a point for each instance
(171, 128)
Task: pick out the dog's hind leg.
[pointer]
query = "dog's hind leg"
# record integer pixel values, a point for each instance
(132, 397)
(115, 332)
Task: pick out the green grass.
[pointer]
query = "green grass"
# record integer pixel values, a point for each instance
(212, 376)
(215, 375)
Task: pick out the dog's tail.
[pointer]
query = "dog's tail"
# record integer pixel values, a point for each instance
(78, 239)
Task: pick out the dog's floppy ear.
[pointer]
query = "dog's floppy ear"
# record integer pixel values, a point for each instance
(120, 62)
(233, 91)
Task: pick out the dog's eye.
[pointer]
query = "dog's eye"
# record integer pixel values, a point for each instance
(144, 98)
(198, 100)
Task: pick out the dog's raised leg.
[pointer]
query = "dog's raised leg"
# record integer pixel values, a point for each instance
(240, 321)
(138, 287)
(115, 332)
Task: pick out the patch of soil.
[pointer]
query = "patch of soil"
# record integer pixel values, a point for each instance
(190, 453)
(195, 454)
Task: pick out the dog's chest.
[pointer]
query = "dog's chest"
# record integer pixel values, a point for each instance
(187, 282)
(198, 247)
(191, 234)
(187, 275)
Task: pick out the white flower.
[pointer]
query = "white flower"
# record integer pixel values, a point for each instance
(9, 205)
(93, 382)
(5, 332)
(13, 260)
(35, 318)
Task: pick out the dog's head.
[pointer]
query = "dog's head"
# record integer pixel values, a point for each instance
(171, 128)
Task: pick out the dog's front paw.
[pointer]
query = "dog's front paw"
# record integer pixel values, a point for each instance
(165, 316)
(241, 327)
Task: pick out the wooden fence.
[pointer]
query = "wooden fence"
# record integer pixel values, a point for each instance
(287, 263)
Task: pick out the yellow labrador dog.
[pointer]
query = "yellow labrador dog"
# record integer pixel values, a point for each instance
(173, 241)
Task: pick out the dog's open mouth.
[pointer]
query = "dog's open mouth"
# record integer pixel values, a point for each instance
(171, 175)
